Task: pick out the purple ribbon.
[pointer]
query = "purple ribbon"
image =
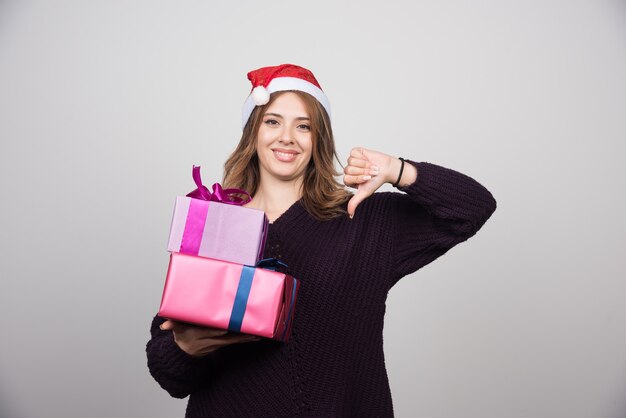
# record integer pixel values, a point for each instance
(194, 227)
(197, 214)
(228, 196)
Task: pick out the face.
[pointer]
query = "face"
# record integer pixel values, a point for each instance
(284, 142)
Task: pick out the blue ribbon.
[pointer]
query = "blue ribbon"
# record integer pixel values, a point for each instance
(241, 299)
(270, 264)
(243, 291)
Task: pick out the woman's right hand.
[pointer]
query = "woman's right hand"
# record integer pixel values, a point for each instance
(199, 341)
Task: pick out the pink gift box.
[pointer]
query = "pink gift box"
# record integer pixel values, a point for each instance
(218, 230)
(234, 297)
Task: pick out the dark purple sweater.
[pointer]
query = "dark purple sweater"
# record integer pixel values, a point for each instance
(334, 364)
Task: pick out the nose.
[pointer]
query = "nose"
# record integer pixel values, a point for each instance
(286, 137)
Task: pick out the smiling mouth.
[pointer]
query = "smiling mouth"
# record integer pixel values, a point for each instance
(285, 156)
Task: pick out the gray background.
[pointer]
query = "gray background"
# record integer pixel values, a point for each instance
(105, 105)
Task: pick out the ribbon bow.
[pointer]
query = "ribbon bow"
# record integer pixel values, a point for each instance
(229, 196)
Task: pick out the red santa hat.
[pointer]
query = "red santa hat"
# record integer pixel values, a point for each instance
(268, 80)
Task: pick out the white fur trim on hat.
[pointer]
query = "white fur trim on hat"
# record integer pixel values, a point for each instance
(283, 84)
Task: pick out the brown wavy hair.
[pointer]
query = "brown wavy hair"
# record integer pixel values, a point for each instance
(322, 195)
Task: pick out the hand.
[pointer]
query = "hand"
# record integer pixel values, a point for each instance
(367, 170)
(199, 341)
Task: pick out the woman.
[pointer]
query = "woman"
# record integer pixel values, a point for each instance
(347, 249)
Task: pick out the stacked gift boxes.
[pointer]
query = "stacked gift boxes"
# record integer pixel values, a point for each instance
(216, 276)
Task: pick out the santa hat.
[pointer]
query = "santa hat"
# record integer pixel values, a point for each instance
(268, 80)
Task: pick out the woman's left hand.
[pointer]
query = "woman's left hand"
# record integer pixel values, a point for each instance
(367, 170)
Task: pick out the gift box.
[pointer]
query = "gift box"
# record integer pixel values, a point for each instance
(229, 296)
(215, 225)
(217, 230)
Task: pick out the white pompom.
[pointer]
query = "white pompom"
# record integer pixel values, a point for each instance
(260, 95)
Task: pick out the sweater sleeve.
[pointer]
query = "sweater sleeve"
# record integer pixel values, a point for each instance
(177, 372)
(441, 209)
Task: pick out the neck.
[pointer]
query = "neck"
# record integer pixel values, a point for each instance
(274, 196)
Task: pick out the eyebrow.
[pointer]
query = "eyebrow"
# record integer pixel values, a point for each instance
(280, 116)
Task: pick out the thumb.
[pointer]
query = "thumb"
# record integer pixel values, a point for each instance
(167, 325)
(358, 197)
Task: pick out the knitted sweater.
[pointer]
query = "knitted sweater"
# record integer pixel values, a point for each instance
(334, 365)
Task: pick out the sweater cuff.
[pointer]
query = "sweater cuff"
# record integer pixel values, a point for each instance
(414, 164)
(177, 357)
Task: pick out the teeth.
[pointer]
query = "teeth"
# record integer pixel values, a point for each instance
(284, 154)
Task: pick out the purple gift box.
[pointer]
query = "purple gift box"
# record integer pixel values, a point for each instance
(215, 225)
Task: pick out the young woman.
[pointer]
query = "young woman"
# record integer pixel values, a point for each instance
(348, 250)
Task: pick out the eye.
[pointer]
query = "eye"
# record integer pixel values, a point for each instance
(270, 122)
(305, 127)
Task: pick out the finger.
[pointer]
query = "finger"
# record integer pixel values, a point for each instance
(249, 338)
(198, 331)
(352, 181)
(235, 338)
(358, 162)
(356, 171)
(355, 201)
(358, 153)
(211, 332)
